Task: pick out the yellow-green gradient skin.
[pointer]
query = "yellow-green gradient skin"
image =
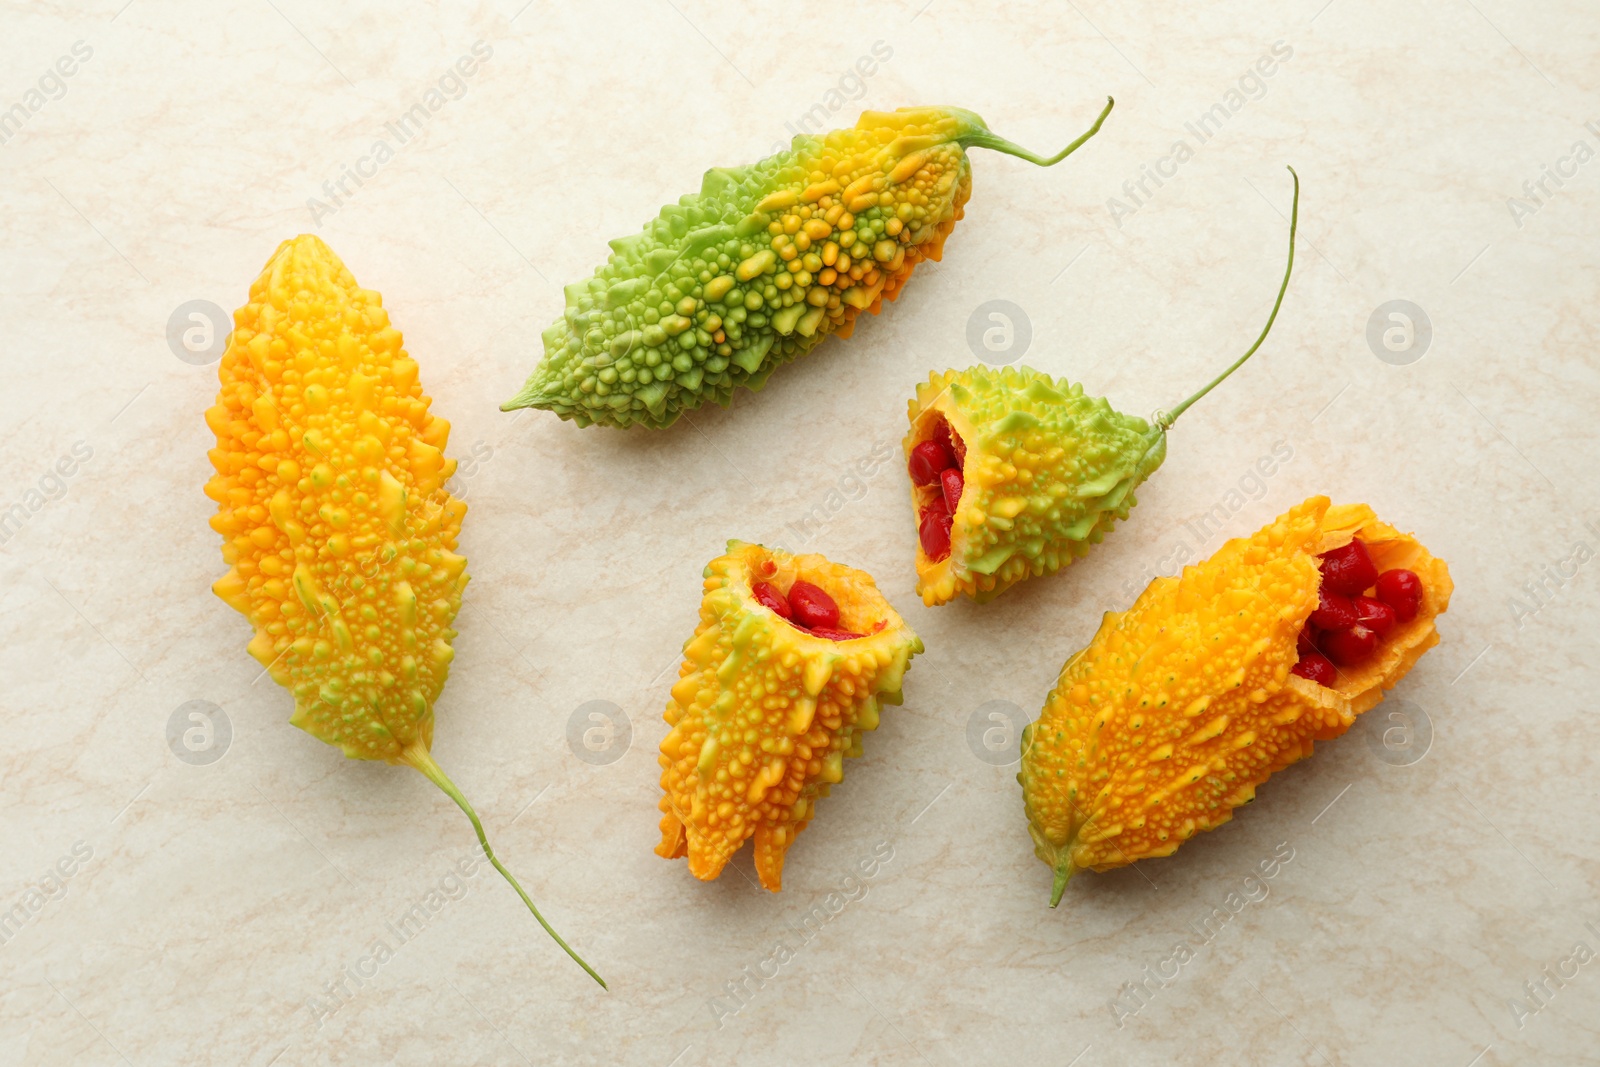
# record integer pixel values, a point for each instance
(759, 266)
(1048, 471)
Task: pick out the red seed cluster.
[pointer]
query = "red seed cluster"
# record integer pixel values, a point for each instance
(937, 462)
(807, 607)
(1349, 624)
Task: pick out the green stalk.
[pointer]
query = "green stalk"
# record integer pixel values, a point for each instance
(422, 760)
(983, 138)
(1166, 419)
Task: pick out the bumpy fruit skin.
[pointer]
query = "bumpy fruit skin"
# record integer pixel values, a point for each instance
(337, 529)
(758, 267)
(1183, 704)
(1048, 471)
(339, 534)
(763, 714)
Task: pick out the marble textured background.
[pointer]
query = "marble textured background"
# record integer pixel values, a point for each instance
(211, 907)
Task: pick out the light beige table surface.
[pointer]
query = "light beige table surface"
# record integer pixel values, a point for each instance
(1428, 868)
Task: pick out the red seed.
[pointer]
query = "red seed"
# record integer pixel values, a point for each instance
(1375, 615)
(834, 635)
(1334, 612)
(1349, 647)
(1317, 667)
(813, 608)
(1348, 571)
(768, 596)
(927, 460)
(947, 436)
(1402, 591)
(950, 481)
(1305, 644)
(934, 531)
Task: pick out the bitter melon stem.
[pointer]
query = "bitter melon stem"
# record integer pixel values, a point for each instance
(422, 760)
(1166, 418)
(989, 139)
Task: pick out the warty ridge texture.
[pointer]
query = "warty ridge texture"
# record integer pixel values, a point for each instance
(1181, 706)
(337, 530)
(763, 714)
(759, 266)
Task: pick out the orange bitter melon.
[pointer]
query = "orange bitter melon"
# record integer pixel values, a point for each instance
(1183, 704)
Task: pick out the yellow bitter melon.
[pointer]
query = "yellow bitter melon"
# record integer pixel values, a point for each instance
(337, 530)
(764, 711)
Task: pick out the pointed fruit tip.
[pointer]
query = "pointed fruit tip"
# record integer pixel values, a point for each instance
(526, 399)
(1063, 873)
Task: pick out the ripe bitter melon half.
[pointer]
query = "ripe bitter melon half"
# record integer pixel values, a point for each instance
(1014, 474)
(1181, 706)
(791, 661)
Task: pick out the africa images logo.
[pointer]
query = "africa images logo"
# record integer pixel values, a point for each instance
(405, 128)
